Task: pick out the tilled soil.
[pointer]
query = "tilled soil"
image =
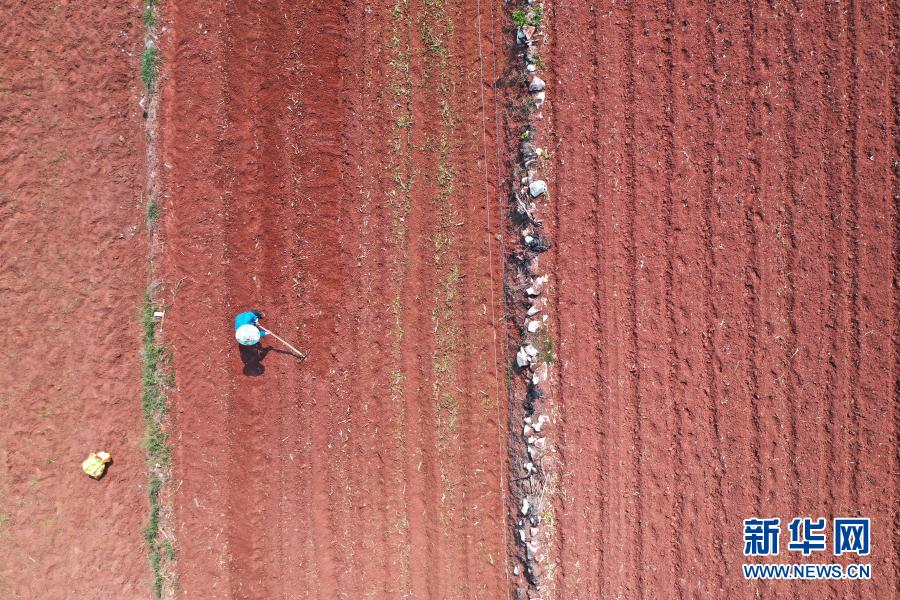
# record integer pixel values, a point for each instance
(73, 268)
(726, 319)
(324, 162)
(723, 223)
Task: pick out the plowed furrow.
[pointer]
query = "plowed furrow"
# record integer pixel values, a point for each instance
(580, 258)
(853, 248)
(831, 92)
(633, 414)
(416, 305)
(320, 281)
(874, 458)
(741, 187)
(751, 268)
(673, 420)
(653, 146)
(250, 134)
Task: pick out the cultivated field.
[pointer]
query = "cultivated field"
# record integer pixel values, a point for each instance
(73, 256)
(324, 163)
(725, 234)
(722, 332)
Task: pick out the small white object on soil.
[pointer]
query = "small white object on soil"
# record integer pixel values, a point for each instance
(537, 84)
(522, 358)
(537, 187)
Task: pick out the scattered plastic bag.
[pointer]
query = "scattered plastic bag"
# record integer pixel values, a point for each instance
(95, 464)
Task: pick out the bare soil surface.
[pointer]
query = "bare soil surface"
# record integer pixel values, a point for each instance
(73, 256)
(723, 214)
(324, 162)
(727, 324)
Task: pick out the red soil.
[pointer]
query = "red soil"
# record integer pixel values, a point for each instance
(72, 275)
(722, 271)
(724, 237)
(306, 177)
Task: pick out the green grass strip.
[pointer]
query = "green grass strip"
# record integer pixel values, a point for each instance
(149, 65)
(154, 381)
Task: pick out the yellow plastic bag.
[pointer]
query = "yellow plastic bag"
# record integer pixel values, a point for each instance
(95, 465)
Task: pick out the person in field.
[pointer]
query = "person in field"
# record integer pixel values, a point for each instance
(246, 330)
(248, 335)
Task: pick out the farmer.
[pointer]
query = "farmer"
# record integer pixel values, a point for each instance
(246, 330)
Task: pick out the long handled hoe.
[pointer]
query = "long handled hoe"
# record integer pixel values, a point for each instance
(272, 333)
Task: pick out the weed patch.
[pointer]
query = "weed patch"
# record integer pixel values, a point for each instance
(533, 17)
(152, 213)
(150, 57)
(150, 16)
(149, 64)
(154, 382)
(548, 353)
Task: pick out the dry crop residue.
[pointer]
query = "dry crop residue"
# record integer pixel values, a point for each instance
(724, 266)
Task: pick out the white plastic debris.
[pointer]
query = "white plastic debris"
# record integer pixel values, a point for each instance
(537, 187)
(522, 358)
(539, 100)
(159, 313)
(537, 305)
(525, 506)
(536, 286)
(529, 467)
(537, 84)
(530, 350)
(532, 325)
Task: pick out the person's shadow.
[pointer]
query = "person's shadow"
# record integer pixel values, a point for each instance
(252, 357)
